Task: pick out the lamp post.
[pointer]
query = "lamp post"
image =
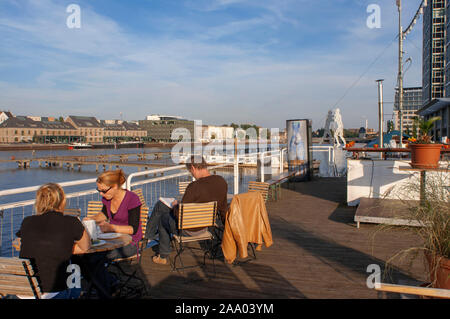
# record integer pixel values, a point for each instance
(380, 112)
(400, 70)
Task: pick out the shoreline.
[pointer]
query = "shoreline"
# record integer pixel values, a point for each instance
(50, 147)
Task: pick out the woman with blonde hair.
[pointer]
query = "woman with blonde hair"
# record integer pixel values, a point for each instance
(49, 239)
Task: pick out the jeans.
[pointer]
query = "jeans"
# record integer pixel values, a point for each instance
(153, 222)
(73, 293)
(167, 227)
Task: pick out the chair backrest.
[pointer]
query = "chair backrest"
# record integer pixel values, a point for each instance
(261, 187)
(17, 277)
(94, 207)
(72, 212)
(138, 191)
(144, 217)
(196, 215)
(182, 187)
(144, 208)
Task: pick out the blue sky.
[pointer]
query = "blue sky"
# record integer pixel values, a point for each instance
(219, 61)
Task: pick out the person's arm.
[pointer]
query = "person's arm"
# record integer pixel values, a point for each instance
(130, 229)
(81, 246)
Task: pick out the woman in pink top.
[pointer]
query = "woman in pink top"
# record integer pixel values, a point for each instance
(120, 213)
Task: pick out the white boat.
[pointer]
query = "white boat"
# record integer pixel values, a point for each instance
(80, 145)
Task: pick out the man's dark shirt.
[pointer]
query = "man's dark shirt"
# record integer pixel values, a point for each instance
(208, 189)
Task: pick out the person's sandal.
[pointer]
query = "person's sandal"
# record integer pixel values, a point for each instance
(158, 260)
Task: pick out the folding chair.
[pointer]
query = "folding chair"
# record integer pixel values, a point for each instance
(182, 188)
(194, 215)
(94, 207)
(261, 187)
(76, 212)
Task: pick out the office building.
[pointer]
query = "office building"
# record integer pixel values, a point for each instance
(160, 128)
(412, 102)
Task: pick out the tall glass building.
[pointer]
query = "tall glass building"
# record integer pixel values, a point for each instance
(436, 66)
(434, 49)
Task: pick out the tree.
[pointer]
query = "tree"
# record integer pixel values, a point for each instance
(318, 133)
(348, 133)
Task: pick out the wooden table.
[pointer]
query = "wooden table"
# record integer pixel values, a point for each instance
(275, 183)
(111, 244)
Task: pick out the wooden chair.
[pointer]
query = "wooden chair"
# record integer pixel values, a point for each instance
(194, 215)
(138, 191)
(76, 212)
(261, 187)
(94, 207)
(17, 277)
(182, 188)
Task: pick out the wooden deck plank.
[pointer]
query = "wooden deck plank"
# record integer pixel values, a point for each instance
(317, 253)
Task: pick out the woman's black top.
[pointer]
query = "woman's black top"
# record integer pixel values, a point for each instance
(47, 240)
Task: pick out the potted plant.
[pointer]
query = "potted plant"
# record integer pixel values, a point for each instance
(432, 214)
(424, 152)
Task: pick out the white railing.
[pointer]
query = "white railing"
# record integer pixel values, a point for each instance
(328, 167)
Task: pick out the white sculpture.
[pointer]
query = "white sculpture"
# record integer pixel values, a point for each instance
(334, 121)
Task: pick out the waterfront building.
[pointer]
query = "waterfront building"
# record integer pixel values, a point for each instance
(210, 132)
(438, 107)
(4, 115)
(133, 131)
(21, 129)
(412, 102)
(88, 127)
(435, 41)
(160, 128)
(121, 131)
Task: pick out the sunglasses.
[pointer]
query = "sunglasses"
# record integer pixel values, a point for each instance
(102, 191)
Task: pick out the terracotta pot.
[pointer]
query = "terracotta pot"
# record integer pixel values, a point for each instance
(425, 155)
(439, 271)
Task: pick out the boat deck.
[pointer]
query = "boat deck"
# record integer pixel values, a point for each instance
(317, 253)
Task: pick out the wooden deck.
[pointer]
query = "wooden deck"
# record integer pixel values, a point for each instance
(317, 253)
(384, 211)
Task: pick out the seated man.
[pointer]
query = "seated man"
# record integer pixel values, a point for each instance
(205, 188)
